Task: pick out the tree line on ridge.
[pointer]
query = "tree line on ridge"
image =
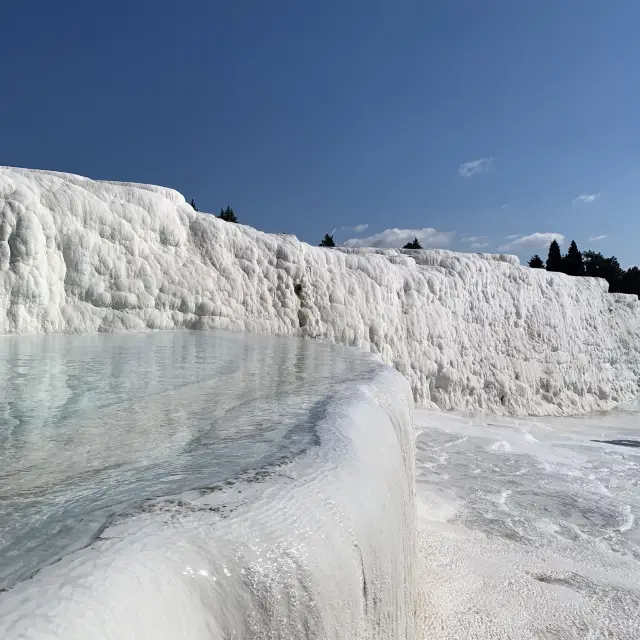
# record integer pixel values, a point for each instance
(589, 263)
(225, 214)
(328, 241)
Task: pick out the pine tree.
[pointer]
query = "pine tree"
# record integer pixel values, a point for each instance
(193, 204)
(536, 262)
(554, 261)
(573, 262)
(228, 215)
(413, 245)
(327, 241)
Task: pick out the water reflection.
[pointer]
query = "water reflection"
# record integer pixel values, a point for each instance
(90, 425)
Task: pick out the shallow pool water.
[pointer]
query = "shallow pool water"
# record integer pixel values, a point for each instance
(92, 425)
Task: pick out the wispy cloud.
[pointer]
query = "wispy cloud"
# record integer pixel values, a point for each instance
(536, 240)
(359, 228)
(504, 206)
(476, 242)
(596, 238)
(481, 165)
(396, 238)
(585, 198)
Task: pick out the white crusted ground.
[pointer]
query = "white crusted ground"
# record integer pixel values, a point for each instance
(468, 331)
(528, 527)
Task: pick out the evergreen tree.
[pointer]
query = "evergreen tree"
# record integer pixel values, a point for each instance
(228, 215)
(554, 260)
(193, 204)
(413, 245)
(327, 241)
(573, 262)
(536, 262)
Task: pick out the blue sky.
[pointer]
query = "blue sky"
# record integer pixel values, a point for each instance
(476, 119)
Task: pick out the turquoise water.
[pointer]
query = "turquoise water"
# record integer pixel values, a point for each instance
(93, 425)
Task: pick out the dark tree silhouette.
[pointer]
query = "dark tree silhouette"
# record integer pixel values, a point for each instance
(193, 204)
(413, 245)
(228, 215)
(597, 266)
(327, 241)
(613, 274)
(573, 262)
(536, 262)
(594, 263)
(630, 281)
(554, 260)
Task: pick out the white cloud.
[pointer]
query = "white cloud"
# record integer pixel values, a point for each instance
(514, 235)
(504, 206)
(476, 242)
(585, 198)
(359, 228)
(481, 165)
(397, 238)
(532, 241)
(596, 238)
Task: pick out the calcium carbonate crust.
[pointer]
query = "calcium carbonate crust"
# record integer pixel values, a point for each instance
(322, 547)
(469, 331)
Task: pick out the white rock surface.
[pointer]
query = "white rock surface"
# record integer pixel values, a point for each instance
(535, 540)
(469, 331)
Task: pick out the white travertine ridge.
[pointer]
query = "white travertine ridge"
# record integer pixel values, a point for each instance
(470, 332)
